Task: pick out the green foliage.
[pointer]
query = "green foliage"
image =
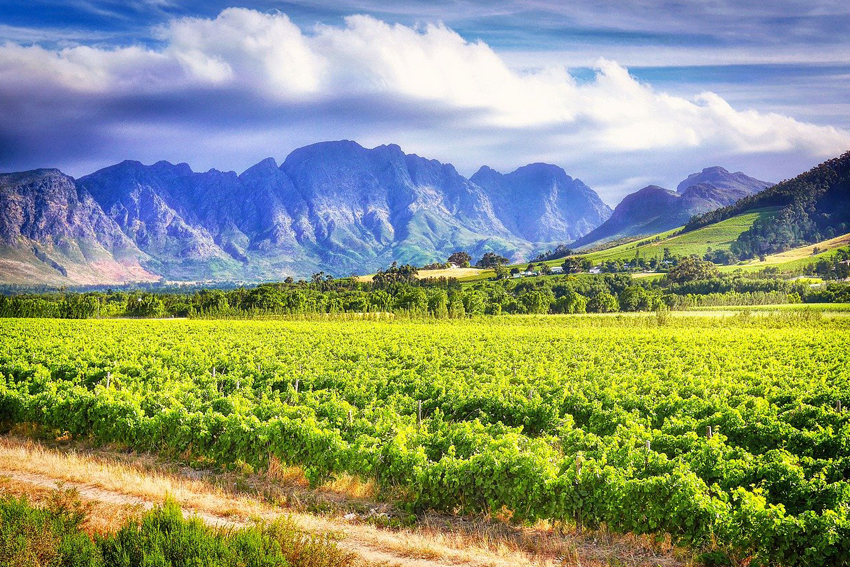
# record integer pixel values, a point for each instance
(491, 260)
(603, 303)
(814, 207)
(692, 269)
(461, 259)
(508, 409)
(31, 537)
(637, 298)
(35, 537)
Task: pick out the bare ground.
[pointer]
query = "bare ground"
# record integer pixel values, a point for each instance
(118, 484)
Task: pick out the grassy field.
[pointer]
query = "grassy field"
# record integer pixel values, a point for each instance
(576, 421)
(717, 237)
(461, 274)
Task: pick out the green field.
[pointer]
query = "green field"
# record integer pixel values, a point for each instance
(717, 237)
(836, 308)
(577, 420)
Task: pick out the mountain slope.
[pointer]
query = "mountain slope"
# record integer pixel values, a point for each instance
(332, 206)
(52, 231)
(541, 203)
(370, 207)
(654, 209)
(814, 206)
(722, 179)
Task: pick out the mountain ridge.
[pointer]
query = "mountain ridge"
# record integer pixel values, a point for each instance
(332, 206)
(654, 209)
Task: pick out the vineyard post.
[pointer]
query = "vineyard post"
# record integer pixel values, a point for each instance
(350, 417)
(578, 473)
(108, 379)
(213, 371)
(297, 381)
(708, 433)
(838, 406)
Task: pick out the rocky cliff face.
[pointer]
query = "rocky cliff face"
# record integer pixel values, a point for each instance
(333, 206)
(541, 203)
(53, 231)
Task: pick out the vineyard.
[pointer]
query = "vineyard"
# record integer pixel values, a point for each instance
(727, 433)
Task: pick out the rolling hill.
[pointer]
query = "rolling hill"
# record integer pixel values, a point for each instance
(719, 236)
(813, 206)
(655, 209)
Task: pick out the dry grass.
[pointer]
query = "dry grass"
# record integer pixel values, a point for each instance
(805, 251)
(121, 482)
(441, 273)
(102, 517)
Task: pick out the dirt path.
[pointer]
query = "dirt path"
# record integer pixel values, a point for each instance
(92, 493)
(121, 480)
(95, 494)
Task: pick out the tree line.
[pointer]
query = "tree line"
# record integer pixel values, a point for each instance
(398, 290)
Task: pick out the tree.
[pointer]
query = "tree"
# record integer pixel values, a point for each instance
(461, 259)
(570, 302)
(536, 301)
(491, 260)
(474, 303)
(571, 266)
(413, 301)
(456, 308)
(636, 298)
(603, 302)
(501, 272)
(147, 305)
(438, 304)
(545, 269)
(395, 273)
(690, 269)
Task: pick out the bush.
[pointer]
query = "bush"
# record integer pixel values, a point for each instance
(603, 303)
(34, 537)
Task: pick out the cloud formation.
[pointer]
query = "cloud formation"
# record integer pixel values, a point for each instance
(228, 91)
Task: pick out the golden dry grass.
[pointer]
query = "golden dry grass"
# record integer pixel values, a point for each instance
(118, 481)
(441, 273)
(805, 251)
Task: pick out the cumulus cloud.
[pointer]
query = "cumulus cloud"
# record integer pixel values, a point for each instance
(257, 79)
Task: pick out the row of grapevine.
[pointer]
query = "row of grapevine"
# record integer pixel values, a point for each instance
(599, 422)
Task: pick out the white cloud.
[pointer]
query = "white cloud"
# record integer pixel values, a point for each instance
(469, 91)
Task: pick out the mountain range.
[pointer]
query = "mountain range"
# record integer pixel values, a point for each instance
(655, 209)
(335, 207)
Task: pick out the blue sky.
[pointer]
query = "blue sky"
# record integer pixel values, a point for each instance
(619, 94)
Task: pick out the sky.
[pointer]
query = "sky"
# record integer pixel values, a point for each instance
(619, 94)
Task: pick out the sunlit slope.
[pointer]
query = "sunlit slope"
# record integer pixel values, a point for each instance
(796, 259)
(717, 236)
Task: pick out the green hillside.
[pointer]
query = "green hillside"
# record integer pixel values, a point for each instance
(717, 236)
(814, 206)
(796, 259)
